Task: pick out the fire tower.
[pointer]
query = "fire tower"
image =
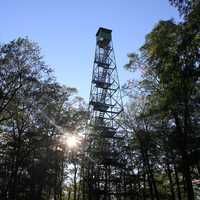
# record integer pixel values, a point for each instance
(105, 97)
(105, 175)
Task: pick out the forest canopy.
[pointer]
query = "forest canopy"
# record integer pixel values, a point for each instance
(42, 121)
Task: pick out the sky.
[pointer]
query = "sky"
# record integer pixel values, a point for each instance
(65, 30)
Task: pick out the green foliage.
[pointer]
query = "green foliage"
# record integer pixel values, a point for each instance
(164, 113)
(185, 6)
(35, 111)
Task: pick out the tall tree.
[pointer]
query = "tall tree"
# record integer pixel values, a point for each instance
(169, 61)
(35, 113)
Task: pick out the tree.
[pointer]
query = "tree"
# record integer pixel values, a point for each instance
(185, 6)
(35, 112)
(169, 61)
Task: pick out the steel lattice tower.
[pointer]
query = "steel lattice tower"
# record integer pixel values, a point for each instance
(105, 96)
(105, 174)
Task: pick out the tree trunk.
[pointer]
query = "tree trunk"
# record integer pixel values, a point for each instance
(152, 177)
(69, 194)
(75, 184)
(144, 190)
(177, 183)
(185, 159)
(187, 173)
(168, 171)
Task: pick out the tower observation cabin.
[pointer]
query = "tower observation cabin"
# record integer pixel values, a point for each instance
(103, 37)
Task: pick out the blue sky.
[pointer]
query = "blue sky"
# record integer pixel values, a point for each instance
(65, 31)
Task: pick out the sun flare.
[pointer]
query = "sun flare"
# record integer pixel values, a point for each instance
(72, 141)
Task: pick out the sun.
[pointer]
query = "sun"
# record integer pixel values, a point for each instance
(72, 141)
